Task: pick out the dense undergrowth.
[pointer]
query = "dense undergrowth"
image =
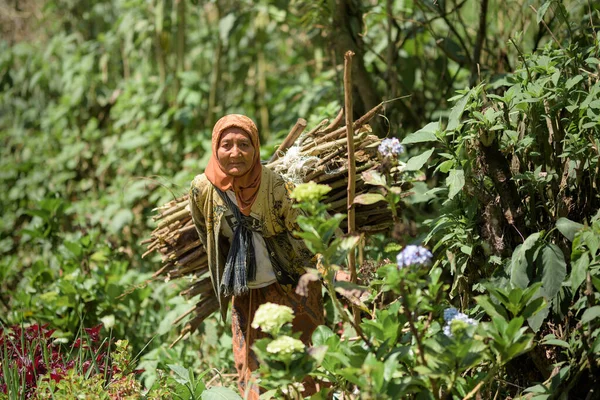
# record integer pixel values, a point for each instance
(97, 127)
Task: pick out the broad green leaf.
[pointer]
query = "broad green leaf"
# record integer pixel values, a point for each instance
(568, 228)
(590, 314)
(520, 263)
(318, 353)
(457, 111)
(374, 178)
(518, 268)
(592, 241)
(425, 134)
(556, 342)
(182, 375)
(220, 393)
(455, 182)
(74, 247)
(554, 269)
(339, 249)
(573, 81)
(536, 320)
(531, 291)
(534, 307)
(368, 198)
(416, 163)
(493, 310)
(542, 11)
(579, 271)
(512, 330)
(446, 166)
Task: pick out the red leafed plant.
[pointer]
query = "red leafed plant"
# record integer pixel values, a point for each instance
(30, 354)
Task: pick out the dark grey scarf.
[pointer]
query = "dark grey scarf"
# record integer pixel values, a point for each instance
(240, 266)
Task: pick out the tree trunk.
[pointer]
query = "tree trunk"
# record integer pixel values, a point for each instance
(344, 38)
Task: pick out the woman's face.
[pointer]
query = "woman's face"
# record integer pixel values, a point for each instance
(235, 152)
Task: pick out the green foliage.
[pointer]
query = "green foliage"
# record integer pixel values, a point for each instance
(106, 109)
(521, 160)
(402, 349)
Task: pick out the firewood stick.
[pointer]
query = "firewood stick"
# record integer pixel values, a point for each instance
(165, 269)
(357, 124)
(201, 286)
(330, 156)
(179, 251)
(191, 256)
(335, 123)
(290, 139)
(334, 180)
(173, 218)
(207, 308)
(369, 115)
(313, 131)
(322, 148)
(199, 267)
(176, 207)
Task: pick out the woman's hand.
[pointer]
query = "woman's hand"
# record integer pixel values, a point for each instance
(341, 276)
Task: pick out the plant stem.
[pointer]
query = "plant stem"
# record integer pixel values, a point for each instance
(415, 333)
(476, 389)
(343, 313)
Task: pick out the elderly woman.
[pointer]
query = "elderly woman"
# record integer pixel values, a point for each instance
(244, 217)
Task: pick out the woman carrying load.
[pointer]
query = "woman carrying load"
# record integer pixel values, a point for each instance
(244, 216)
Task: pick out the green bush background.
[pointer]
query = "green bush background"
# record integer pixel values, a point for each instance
(106, 110)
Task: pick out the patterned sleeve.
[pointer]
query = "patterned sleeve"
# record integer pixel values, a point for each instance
(197, 216)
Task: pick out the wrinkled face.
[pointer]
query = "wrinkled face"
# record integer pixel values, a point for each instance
(235, 152)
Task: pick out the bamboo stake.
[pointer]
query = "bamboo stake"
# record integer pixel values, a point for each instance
(351, 168)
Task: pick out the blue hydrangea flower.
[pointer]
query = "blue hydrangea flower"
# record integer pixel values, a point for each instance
(450, 314)
(456, 320)
(390, 148)
(413, 255)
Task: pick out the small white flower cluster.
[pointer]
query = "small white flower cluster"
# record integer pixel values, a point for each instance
(453, 317)
(285, 345)
(390, 148)
(271, 317)
(414, 255)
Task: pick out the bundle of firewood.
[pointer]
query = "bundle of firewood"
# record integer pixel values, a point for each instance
(319, 155)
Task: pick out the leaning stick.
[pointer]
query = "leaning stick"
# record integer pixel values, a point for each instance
(351, 168)
(335, 123)
(290, 139)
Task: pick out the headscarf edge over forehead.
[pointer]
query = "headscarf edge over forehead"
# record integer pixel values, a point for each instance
(245, 187)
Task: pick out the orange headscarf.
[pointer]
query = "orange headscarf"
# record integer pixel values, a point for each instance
(245, 187)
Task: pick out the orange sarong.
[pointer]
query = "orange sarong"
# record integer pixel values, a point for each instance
(308, 314)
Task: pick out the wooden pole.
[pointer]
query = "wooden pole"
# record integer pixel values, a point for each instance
(351, 169)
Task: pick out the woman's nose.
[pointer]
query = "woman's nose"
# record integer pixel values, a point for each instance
(235, 151)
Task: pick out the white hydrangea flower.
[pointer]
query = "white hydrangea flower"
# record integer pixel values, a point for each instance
(414, 255)
(271, 317)
(285, 345)
(390, 148)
